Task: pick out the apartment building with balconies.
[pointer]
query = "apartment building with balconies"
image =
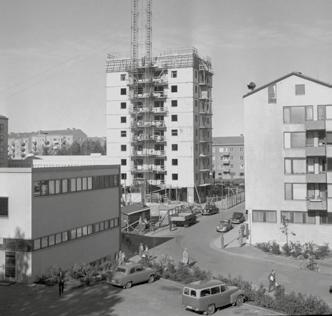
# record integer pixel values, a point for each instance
(228, 157)
(159, 122)
(288, 159)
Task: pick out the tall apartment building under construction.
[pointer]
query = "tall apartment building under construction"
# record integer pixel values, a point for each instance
(159, 118)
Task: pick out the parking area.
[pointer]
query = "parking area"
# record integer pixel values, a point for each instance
(160, 298)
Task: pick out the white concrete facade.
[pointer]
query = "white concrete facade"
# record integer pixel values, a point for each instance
(288, 160)
(187, 124)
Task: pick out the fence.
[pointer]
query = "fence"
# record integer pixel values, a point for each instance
(228, 201)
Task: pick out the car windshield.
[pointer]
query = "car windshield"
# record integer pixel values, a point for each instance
(237, 215)
(121, 270)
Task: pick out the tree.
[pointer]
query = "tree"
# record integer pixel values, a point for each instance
(285, 229)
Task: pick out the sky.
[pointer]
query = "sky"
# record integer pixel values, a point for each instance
(53, 53)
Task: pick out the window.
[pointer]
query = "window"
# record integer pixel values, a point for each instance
(58, 238)
(174, 103)
(174, 74)
(123, 162)
(51, 240)
(295, 166)
(123, 91)
(57, 186)
(36, 244)
(297, 114)
(96, 227)
(264, 216)
(123, 147)
(123, 105)
(64, 185)
(174, 88)
(272, 94)
(215, 290)
(174, 176)
(3, 206)
(44, 242)
(123, 133)
(84, 184)
(89, 183)
(73, 185)
(89, 229)
(79, 232)
(123, 119)
(64, 236)
(299, 89)
(174, 132)
(298, 217)
(123, 176)
(326, 218)
(174, 118)
(205, 292)
(295, 191)
(73, 233)
(122, 77)
(84, 230)
(174, 147)
(44, 187)
(51, 187)
(174, 162)
(294, 140)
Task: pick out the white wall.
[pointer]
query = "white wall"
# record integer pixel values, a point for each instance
(15, 183)
(264, 154)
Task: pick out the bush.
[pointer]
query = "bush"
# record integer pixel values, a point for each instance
(286, 249)
(322, 251)
(50, 277)
(265, 246)
(275, 248)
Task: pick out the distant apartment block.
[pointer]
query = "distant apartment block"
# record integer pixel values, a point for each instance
(288, 159)
(159, 122)
(20, 145)
(228, 157)
(3, 140)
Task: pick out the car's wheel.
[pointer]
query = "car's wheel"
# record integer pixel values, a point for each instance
(128, 285)
(211, 309)
(151, 279)
(239, 300)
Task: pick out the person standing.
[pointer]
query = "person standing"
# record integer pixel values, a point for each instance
(61, 282)
(272, 280)
(185, 256)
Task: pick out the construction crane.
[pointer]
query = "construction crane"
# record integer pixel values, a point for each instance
(141, 36)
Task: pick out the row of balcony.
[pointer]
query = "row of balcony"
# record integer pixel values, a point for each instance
(148, 152)
(145, 124)
(152, 138)
(157, 182)
(159, 110)
(157, 81)
(148, 168)
(153, 95)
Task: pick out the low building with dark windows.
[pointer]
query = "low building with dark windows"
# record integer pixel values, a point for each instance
(57, 214)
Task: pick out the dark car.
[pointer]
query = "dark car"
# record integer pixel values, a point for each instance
(238, 218)
(129, 274)
(224, 226)
(210, 209)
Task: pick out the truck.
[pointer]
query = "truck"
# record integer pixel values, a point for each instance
(183, 218)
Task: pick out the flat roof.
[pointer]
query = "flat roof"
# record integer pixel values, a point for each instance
(298, 74)
(134, 208)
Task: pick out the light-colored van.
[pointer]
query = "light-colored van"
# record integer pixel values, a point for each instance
(207, 296)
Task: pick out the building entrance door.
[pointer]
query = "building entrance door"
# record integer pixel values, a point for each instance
(10, 265)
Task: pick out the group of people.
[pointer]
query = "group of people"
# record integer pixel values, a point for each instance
(143, 251)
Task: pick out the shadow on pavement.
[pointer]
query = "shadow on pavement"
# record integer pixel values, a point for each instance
(37, 300)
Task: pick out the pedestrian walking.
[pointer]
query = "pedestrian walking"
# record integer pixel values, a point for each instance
(140, 249)
(61, 281)
(185, 256)
(272, 280)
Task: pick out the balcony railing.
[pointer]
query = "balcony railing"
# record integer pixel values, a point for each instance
(161, 110)
(315, 151)
(148, 152)
(144, 124)
(315, 125)
(316, 178)
(154, 138)
(318, 204)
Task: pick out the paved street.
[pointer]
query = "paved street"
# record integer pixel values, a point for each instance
(162, 298)
(203, 246)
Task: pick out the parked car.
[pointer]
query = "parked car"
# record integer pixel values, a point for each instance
(224, 226)
(129, 274)
(208, 296)
(210, 209)
(238, 218)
